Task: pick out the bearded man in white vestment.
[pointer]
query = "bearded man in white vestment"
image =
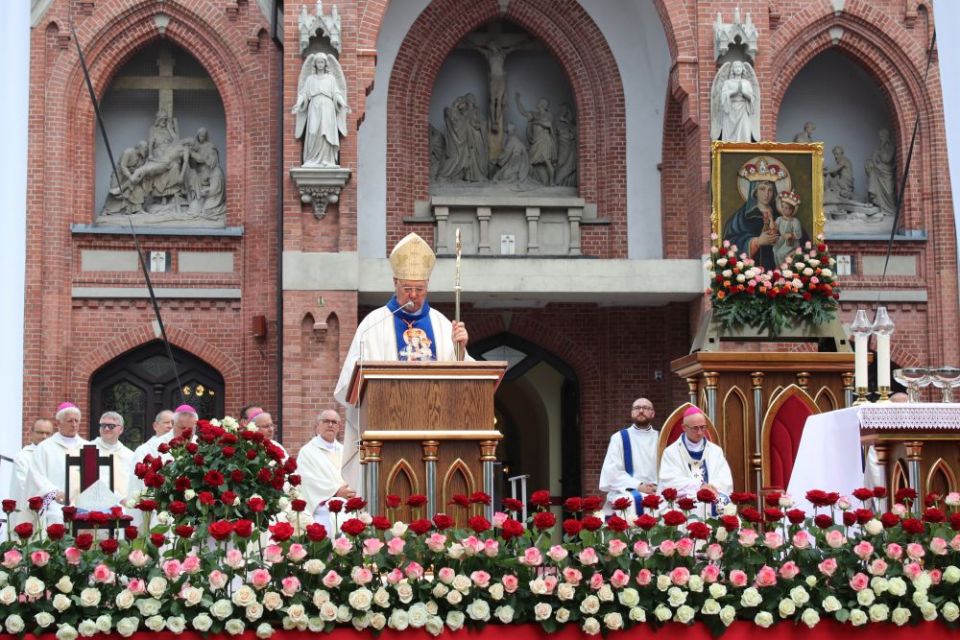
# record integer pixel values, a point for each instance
(47, 474)
(692, 462)
(108, 442)
(41, 430)
(631, 472)
(406, 328)
(318, 464)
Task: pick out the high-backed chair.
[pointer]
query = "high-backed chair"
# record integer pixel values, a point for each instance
(673, 427)
(780, 436)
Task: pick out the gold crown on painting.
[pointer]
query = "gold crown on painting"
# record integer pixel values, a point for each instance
(790, 197)
(412, 259)
(762, 172)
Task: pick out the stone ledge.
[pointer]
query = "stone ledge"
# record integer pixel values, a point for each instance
(120, 230)
(160, 292)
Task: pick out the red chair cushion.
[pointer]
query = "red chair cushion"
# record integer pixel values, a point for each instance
(785, 436)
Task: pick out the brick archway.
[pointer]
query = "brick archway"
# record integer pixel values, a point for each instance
(580, 48)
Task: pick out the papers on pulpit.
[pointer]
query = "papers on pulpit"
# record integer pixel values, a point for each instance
(97, 497)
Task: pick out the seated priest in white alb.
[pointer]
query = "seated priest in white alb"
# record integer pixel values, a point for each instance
(318, 464)
(265, 425)
(162, 424)
(47, 475)
(41, 430)
(693, 463)
(108, 442)
(630, 466)
(406, 328)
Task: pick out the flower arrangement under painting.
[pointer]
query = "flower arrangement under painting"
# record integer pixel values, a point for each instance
(803, 291)
(762, 563)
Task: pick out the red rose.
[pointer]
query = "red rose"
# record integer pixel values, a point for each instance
(353, 527)
(130, 532)
(381, 523)
(251, 454)
(392, 501)
(572, 526)
(913, 526)
(772, 515)
(669, 494)
(511, 529)
(182, 483)
(863, 515)
(281, 531)
(420, 526)
(879, 492)
(512, 504)
(931, 499)
(573, 504)
(227, 438)
(192, 448)
(56, 531)
(616, 523)
(442, 521)
(955, 521)
(84, 541)
(206, 498)
(256, 504)
(772, 499)
(460, 500)
(622, 504)
(228, 497)
(293, 480)
(730, 523)
(220, 530)
(98, 517)
(213, 478)
(177, 507)
(290, 464)
(651, 501)
(264, 475)
(823, 521)
(164, 448)
(706, 495)
(183, 530)
(116, 512)
(645, 521)
(592, 523)
(237, 475)
(698, 530)
(316, 532)
(355, 504)
(243, 528)
(819, 498)
(479, 497)
(796, 516)
(544, 520)
(849, 518)
(298, 505)
(863, 494)
(750, 514)
(479, 524)
(674, 518)
(109, 546)
(932, 514)
(24, 530)
(157, 539)
(335, 506)
(35, 503)
(686, 503)
(540, 499)
(228, 452)
(592, 503)
(9, 506)
(154, 480)
(905, 494)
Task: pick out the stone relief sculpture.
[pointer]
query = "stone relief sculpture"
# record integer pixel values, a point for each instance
(735, 104)
(566, 147)
(838, 179)
(437, 151)
(880, 172)
(464, 142)
(317, 24)
(321, 110)
(542, 138)
(807, 134)
(513, 165)
(168, 179)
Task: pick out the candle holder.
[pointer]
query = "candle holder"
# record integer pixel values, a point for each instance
(884, 395)
(861, 329)
(861, 393)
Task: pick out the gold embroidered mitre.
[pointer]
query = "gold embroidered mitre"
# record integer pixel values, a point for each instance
(412, 259)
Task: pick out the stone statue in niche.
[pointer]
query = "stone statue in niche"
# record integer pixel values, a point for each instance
(838, 179)
(127, 196)
(321, 110)
(566, 147)
(807, 134)
(542, 139)
(464, 142)
(735, 104)
(513, 165)
(437, 151)
(845, 214)
(880, 172)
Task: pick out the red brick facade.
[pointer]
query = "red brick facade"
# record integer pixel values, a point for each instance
(614, 350)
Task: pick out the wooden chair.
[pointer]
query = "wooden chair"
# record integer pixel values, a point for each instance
(673, 427)
(780, 436)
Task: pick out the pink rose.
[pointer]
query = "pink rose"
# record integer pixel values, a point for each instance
(913, 570)
(273, 554)
(532, 557)
(136, 586)
(395, 546)
(191, 564)
(510, 583)
(596, 581)
(772, 540)
(362, 575)
(955, 543)
(642, 550)
(491, 548)
(217, 579)
(342, 546)
(894, 551)
(935, 576)
(259, 578)
(714, 552)
(414, 571)
(828, 566)
(859, 582)
(668, 547)
(549, 584)
(680, 576)
(234, 559)
(801, 540)
(472, 545)
(74, 555)
(172, 568)
(332, 579)
(395, 577)
(766, 577)
(102, 573)
(296, 552)
(290, 585)
(738, 578)
(557, 553)
(938, 546)
(748, 537)
(835, 539)
(878, 567)
(446, 575)
(372, 546)
(499, 518)
(480, 578)
(588, 556)
(915, 551)
(644, 576)
(137, 558)
(898, 510)
(789, 570)
(685, 547)
(863, 550)
(13, 557)
(437, 542)
(710, 573)
(616, 547)
(619, 579)
(572, 575)
(39, 558)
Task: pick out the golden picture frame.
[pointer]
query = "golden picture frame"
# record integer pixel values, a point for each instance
(767, 197)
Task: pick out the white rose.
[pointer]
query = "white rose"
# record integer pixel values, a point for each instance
(189, 495)
(858, 617)
(873, 526)
(90, 597)
(272, 601)
(435, 625)
(65, 585)
(830, 604)
(879, 613)
(124, 599)
(613, 621)
(879, 585)
(404, 592)
(676, 597)
(461, 583)
(328, 611)
(314, 566)
(717, 590)
(4, 578)
(695, 584)
(87, 628)
(950, 611)
(562, 615)
(763, 619)
(361, 599)
(479, 610)
(381, 598)
(751, 597)
(663, 582)
(378, 621)
(566, 591)
(343, 613)
(496, 591)
(799, 596)
(662, 613)
(591, 626)
(811, 581)
(320, 596)
(128, 626)
(176, 624)
(66, 632)
(253, 612)
(900, 616)
(34, 588)
(13, 624)
(721, 534)
(629, 597)
(866, 597)
(399, 620)
(929, 611)
(454, 597)
(244, 596)
(605, 593)
(154, 623)
(234, 627)
(810, 617)
(685, 614)
(221, 609)
(590, 605)
(440, 590)
(297, 613)
(637, 614)
(264, 630)
(399, 529)
(44, 619)
(504, 614)
(727, 615)
(710, 607)
(543, 611)
(8, 595)
(455, 620)
(192, 596)
(787, 608)
(61, 602)
(896, 586)
(157, 587)
(951, 574)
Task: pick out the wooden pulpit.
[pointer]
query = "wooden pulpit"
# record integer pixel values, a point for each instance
(426, 428)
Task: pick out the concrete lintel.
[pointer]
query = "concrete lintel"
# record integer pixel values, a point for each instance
(192, 293)
(886, 295)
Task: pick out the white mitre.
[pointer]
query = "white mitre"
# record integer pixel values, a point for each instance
(412, 259)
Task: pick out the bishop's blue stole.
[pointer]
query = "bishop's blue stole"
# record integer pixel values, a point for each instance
(419, 320)
(628, 466)
(698, 455)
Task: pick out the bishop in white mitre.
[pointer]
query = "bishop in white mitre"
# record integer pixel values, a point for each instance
(630, 466)
(406, 329)
(692, 462)
(47, 474)
(318, 464)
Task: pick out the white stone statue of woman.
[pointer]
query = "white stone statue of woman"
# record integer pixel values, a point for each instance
(880, 174)
(321, 110)
(735, 104)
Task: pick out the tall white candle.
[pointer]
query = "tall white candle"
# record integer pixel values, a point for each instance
(883, 360)
(860, 361)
